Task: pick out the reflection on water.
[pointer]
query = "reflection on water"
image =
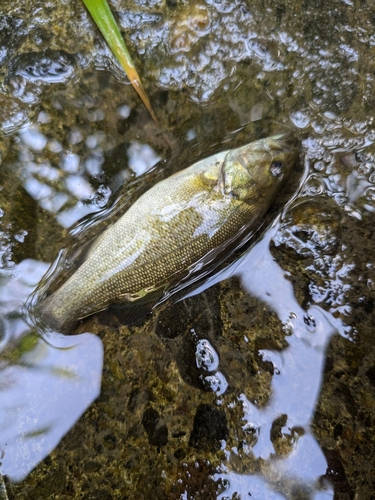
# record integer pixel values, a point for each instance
(42, 179)
(284, 439)
(45, 383)
(297, 379)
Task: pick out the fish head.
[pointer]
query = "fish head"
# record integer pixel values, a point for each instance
(259, 169)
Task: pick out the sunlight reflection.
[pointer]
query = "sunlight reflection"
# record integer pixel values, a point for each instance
(141, 158)
(66, 188)
(297, 379)
(45, 384)
(295, 385)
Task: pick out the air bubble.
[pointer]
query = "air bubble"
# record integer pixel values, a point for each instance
(49, 66)
(319, 166)
(366, 168)
(370, 194)
(288, 327)
(300, 119)
(314, 186)
(206, 357)
(217, 383)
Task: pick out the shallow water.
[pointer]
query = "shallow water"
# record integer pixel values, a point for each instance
(262, 380)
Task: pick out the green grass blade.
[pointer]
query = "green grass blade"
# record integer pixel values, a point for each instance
(103, 17)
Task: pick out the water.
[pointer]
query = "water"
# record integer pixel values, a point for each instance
(46, 383)
(261, 381)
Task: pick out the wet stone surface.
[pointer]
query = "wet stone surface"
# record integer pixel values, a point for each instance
(262, 383)
(180, 424)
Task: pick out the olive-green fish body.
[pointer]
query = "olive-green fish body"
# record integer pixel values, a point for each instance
(174, 231)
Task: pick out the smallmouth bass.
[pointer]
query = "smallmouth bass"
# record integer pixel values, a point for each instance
(174, 232)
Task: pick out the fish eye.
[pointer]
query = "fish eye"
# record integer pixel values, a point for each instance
(277, 168)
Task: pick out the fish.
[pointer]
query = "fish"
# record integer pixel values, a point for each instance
(175, 232)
